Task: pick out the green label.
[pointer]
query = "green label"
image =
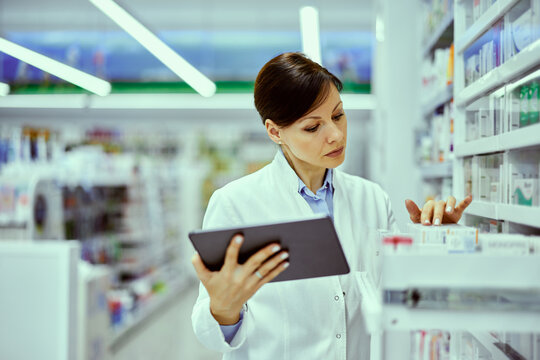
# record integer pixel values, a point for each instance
(524, 106)
(534, 102)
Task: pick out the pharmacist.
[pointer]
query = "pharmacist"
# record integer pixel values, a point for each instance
(300, 106)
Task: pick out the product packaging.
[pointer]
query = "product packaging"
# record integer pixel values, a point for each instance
(457, 238)
(522, 31)
(534, 102)
(525, 192)
(524, 106)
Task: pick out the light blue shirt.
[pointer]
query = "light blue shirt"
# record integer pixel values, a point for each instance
(321, 203)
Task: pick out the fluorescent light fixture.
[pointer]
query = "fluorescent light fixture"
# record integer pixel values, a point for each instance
(158, 48)
(309, 27)
(68, 73)
(4, 89)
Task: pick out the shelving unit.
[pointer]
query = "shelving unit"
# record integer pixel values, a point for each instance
(513, 71)
(437, 170)
(510, 70)
(514, 213)
(494, 13)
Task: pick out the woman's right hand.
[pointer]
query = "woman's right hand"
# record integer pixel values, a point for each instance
(231, 287)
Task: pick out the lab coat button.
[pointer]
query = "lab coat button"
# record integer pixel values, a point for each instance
(336, 298)
(338, 336)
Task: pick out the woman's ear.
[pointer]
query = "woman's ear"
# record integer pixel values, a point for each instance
(273, 131)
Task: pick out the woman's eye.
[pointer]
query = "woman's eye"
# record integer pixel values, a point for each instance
(312, 129)
(337, 117)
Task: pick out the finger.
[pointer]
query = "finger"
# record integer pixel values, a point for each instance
(231, 256)
(463, 205)
(414, 211)
(273, 274)
(202, 272)
(438, 212)
(427, 212)
(267, 267)
(255, 261)
(450, 204)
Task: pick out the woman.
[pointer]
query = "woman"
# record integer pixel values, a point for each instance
(300, 106)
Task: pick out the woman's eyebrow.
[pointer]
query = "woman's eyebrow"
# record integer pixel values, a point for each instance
(318, 117)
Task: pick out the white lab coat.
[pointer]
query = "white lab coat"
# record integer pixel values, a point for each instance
(304, 319)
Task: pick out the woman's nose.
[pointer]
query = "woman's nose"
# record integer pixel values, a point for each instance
(334, 133)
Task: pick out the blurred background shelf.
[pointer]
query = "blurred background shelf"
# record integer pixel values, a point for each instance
(444, 26)
(438, 99)
(437, 170)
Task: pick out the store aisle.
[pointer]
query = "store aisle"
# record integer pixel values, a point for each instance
(190, 347)
(167, 336)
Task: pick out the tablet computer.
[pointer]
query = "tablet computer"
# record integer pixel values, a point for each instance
(313, 246)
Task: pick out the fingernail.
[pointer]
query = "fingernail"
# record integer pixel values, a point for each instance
(238, 239)
(448, 209)
(426, 222)
(276, 248)
(437, 221)
(284, 256)
(286, 265)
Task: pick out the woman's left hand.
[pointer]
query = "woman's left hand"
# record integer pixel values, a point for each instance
(438, 212)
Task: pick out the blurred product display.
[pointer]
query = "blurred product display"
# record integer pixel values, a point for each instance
(120, 195)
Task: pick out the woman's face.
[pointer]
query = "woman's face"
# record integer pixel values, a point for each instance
(319, 138)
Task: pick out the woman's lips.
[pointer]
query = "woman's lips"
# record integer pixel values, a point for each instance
(335, 153)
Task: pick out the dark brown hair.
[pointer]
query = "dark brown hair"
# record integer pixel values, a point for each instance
(290, 86)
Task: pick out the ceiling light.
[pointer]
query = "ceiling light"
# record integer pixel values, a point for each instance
(158, 48)
(4, 89)
(309, 27)
(68, 73)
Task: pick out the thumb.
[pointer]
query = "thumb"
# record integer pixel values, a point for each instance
(413, 210)
(202, 272)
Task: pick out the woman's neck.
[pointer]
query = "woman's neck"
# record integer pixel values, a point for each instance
(312, 176)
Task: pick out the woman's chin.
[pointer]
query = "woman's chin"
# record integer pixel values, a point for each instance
(334, 162)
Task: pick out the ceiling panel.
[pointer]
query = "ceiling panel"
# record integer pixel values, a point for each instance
(32, 15)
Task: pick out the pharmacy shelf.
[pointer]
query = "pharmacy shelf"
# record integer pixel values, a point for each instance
(434, 38)
(521, 138)
(483, 208)
(437, 170)
(510, 70)
(492, 15)
(518, 139)
(488, 341)
(403, 318)
(439, 98)
(480, 146)
(518, 214)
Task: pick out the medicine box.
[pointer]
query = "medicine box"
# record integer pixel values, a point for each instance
(525, 192)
